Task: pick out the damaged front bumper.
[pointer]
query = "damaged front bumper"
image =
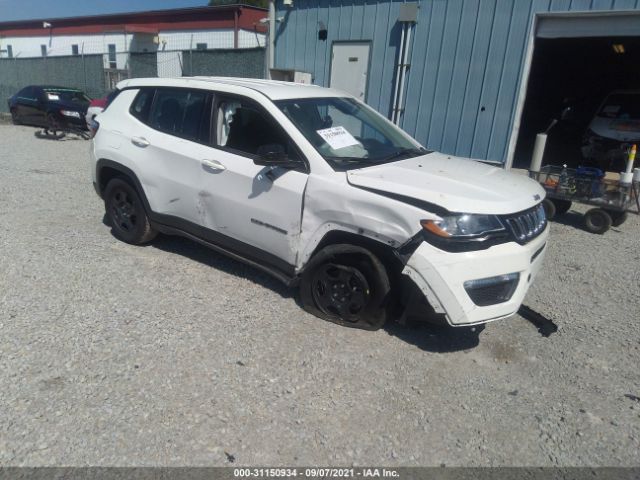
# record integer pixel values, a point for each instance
(480, 286)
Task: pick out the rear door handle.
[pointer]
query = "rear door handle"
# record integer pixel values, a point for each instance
(140, 142)
(213, 165)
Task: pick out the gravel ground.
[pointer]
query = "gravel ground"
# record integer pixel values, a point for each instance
(171, 354)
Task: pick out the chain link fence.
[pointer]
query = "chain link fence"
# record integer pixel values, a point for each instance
(96, 66)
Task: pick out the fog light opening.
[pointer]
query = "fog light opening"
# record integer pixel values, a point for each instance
(493, 290)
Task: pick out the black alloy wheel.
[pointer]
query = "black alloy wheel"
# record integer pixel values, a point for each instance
(123, 211)
(340, 291)
(126, 213)
(347, 285)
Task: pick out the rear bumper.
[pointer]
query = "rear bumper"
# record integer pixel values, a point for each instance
(75, 122)
(441, 276)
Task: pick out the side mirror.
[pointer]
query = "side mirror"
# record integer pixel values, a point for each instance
(273, 155)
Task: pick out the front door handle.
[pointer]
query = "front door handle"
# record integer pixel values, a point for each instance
(140, 142)
(213, 165)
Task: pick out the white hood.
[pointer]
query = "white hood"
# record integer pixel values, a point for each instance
(456, 184)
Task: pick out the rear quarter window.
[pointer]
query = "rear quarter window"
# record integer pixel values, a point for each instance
(111, 97)
(141, 105)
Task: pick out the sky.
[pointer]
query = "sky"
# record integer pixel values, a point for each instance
(45, 9)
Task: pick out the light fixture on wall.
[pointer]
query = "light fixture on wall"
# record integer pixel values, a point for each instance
(46, 25)
(322, 31)
(618, 48)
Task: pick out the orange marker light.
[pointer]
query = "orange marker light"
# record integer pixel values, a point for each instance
(432, 227)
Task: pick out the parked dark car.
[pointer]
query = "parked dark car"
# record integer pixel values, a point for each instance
(48, 106)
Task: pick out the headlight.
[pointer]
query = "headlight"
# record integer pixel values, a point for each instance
(464, 225)
(70, 113)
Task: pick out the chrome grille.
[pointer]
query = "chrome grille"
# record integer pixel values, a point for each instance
(527, 225)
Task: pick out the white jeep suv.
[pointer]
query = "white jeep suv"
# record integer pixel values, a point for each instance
(322, 192)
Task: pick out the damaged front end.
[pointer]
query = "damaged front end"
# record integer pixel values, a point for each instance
(474, 280)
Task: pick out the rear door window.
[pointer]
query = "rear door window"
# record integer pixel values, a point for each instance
(182, 113)
(27, 93)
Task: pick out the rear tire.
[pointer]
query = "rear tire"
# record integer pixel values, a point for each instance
(617, 218)
(347, 285)
(597, 220)
(126, 213)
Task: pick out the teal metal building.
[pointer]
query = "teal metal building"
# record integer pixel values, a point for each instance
(457, 72)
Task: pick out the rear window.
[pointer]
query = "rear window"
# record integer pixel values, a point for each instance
(69, 95)
(142, 104)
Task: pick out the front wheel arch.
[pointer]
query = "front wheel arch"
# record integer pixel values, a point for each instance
(360, 261)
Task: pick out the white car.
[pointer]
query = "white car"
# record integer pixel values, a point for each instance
(613, 130)
(322, 192)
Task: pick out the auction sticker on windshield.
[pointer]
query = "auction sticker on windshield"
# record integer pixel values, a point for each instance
(337, 137)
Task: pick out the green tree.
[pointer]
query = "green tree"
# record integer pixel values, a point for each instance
(255, 3)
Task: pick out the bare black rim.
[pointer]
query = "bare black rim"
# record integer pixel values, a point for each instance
(340, 291)
(123, 210)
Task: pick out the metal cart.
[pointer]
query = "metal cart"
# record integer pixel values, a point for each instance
(611, 199)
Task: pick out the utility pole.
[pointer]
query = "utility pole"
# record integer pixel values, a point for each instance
(272, 38)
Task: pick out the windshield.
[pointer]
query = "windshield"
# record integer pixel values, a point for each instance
(68, 95)
(621, 106)
(348, 134)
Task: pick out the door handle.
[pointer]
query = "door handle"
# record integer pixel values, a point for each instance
(213, 164)
(140, 142)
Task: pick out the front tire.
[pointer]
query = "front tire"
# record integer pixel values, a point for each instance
(126, 213)
(347, 285)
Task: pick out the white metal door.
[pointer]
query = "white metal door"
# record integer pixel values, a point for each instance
(170, 170)
(258, 206)
(350, 67)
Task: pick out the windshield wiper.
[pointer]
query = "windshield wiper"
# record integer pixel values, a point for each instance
(399, 153)
(348, 159)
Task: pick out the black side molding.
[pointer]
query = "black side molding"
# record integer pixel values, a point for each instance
(226, 245)
(171, 225)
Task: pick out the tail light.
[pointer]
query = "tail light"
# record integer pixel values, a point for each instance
(94, 125)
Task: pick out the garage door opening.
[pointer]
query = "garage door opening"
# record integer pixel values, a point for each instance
(578, 73)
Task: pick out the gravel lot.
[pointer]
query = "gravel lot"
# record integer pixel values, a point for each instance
(171, 354)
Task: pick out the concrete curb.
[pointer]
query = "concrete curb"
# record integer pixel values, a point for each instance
(5, 118)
